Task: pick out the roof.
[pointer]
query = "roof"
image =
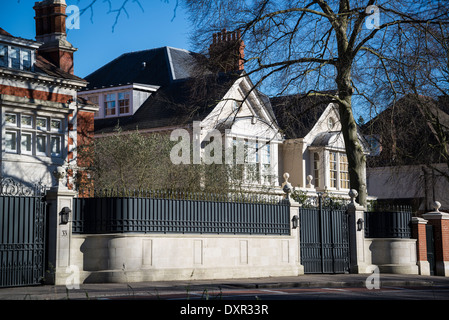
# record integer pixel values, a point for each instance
(5, 33)
(175, 104)
(297, 114)
(158, 66)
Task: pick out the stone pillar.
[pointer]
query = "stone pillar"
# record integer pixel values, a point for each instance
(59, 233)
(356, 216)
(294, 220)
(419, 233)
(440, 222)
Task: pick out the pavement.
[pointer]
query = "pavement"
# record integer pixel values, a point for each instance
(160, 288)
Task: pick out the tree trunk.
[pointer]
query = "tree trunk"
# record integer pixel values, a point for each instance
(354, 150)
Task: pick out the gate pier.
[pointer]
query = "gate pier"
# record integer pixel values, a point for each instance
(358, 254)
(59, 231)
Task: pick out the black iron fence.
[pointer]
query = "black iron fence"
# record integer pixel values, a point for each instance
(388, 222)
(174, 212)
(22, 234)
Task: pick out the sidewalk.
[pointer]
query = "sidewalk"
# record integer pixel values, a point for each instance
(98, 291)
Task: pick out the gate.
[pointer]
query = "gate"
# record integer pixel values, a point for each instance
(430, 242)
(22, 234)
(324, 238)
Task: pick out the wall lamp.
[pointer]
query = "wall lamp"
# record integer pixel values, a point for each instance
(295, 222)
(360, 224)
(64, 215)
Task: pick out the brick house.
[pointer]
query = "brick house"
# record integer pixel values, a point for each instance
(44, 124)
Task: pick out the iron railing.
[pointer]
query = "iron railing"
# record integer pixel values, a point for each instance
(22, 234)
(175, 213)
(388, 222)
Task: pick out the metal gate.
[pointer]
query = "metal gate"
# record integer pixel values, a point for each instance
(324, 238)
(430, 242)
(22, 234)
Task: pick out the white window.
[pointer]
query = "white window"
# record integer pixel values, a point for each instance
(27, 121)
(41, 123)
(94, 100)
(14, 56)
(344, 171)
(109, 104)
(333, 169)
(3, 56)
(316, 169)
(11, 119)
(41, 145)
(11, 141)
(36, 136)
(26, 59)
(56, 125)
(123, 102)
(26, 143)
(55, 143)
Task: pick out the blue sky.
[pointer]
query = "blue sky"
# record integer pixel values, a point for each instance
(97, 42)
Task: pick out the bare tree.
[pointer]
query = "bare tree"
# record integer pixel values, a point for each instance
(316, 45)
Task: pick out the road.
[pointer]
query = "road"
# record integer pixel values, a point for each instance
(349, 293)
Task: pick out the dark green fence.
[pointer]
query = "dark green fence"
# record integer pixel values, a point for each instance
(388, 222)
(191, 213)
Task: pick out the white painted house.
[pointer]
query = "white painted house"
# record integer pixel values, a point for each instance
(166, 88)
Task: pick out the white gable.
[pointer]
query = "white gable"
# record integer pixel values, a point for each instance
(242, 112)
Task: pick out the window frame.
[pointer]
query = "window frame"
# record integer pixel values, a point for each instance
(28, 134)
(110, 112)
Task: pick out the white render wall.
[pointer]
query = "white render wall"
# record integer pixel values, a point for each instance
(392, 255)
(134, 258)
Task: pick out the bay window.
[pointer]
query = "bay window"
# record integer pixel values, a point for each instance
(30, 135)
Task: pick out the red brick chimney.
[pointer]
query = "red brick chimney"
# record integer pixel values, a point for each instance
(227, 51)
(51, 31)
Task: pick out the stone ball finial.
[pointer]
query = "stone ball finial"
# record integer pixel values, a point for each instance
(437, 206)
(286, 186)
(353, 194)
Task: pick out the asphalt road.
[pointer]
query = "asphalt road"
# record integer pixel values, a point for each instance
(350, 293)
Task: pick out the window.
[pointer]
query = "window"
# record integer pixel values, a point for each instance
(109, 104)
(16, 58)
(41, 123)
(94, 100)
(11, 141)
(316, 169)
(41, 145)
(344, 172)
(55, 142)
(56, 125)
(26, 143)
(333, 169)
(11, 119)
(37, 136)
(14, 55)
(123, 102)
(27, 121)
(3, 56)
(26, 59)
